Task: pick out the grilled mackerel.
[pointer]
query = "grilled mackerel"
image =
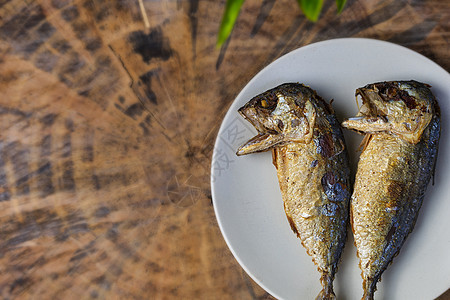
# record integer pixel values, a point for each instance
(311, 159)
(401, 124)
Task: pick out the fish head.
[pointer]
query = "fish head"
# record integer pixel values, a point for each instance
(281, 115)
(402, 108)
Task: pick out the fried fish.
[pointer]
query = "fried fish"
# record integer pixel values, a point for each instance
(401, 124)
(311, 159)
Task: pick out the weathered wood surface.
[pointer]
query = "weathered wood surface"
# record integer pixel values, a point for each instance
(108, 115)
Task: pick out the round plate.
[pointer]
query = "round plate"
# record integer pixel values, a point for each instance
(247, 200)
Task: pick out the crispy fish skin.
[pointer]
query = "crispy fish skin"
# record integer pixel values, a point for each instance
(312, 165)
(402, 123)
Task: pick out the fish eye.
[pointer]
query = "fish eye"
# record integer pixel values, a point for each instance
(268, 100)
(264, 104)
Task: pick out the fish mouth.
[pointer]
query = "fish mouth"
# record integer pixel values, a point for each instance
(259, 143)
(370, 117)
(251, 116)
(264, 140)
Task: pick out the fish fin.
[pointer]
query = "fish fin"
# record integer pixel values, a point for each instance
(433, 170)
(324, 296)
(329, 106)
(365, 142)
(259, 143)
(274, 158)
(369, 286)
(327, 292)
(292, 224)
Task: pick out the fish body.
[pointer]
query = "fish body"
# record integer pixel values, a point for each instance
(401, 121)
(312, 165)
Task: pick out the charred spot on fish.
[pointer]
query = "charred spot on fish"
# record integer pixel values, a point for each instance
(395, 189)
(324, 144)
(328, 179)
(409, 101)
(292, 224)
(335, 191)
(390, 234)
(390, 92)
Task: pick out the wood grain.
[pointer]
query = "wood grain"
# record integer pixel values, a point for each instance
(108, 116)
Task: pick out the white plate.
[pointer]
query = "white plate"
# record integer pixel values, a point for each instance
(247, 200)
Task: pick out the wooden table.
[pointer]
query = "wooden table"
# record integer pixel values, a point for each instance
(108, 115)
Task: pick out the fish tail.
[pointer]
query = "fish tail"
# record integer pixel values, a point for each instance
(369, 286)
(327, 292)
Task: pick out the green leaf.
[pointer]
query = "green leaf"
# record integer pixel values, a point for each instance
(311, 8)
(340, 5)
(232, 8)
